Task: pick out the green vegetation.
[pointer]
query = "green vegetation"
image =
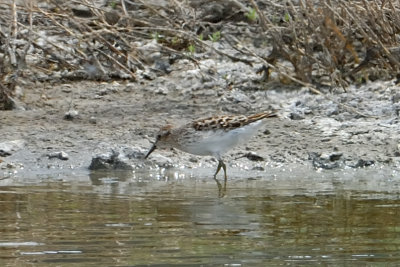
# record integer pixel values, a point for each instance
(191, 49)
(251, 15)
(215, 37)
(286, 18)
(113, 4)
(155, 36)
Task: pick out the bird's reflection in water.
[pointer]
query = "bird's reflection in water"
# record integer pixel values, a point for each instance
(102, 177)
(221, 189)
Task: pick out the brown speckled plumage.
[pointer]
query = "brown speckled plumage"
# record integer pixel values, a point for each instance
(229, 122)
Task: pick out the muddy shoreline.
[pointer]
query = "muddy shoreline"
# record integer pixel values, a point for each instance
(61, 127)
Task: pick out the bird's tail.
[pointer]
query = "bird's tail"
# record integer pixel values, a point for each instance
(262, 115)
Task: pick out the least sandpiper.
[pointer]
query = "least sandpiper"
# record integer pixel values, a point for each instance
(211, 136)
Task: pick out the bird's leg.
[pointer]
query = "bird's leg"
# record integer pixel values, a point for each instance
(224, 167)
(221, 191)
(221, 164)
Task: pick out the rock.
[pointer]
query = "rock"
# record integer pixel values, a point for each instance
(71, 114)
(217, 11)
(267, 132)
(193, 159)
(162, 65)
(162, 90)
(335, 156)
(258, 168)
(150, 51)
(93, 120)
(113, 160)
(396, 98)
(161, 161)
(119, 159)
(133, 152)
(7, 165)
(361, 163)
(112, 17)
(253, 157)
(332, 110)
(326, 161)
(238, 97)
(296, 116)
(59, 155)
(7, 148)
(82, 11)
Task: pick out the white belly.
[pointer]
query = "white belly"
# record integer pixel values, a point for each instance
(216, 143)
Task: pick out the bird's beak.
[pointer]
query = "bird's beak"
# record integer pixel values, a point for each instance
(150, 151)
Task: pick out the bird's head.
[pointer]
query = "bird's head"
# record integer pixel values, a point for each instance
(163, 139)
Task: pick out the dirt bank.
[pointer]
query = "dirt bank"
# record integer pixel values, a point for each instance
(59, 128)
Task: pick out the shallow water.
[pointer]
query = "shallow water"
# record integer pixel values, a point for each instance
(282, 217)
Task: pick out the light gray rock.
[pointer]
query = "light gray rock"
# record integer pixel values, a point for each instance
(113, 160)
(7, 148)
(59, 155)
(71, 114)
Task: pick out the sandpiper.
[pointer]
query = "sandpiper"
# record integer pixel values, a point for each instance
(211, 136)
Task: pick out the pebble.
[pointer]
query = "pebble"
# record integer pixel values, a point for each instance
(71, 114)
(253, 157)
(59, 155)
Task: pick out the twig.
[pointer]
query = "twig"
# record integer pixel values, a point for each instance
(155, 11)
(194, 38)
(13, 34)
(365, 28)
(97, 11)
(54, 20)
(118, 63)
(263, 20)
(29, 42)
(64, 28)
(240, 5)
(124, 7)
(48, 41)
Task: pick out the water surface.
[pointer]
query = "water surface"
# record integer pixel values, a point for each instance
(277, 218)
